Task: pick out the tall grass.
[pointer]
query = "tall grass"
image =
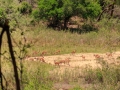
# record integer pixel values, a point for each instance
(42, 76)
(35, 76)
(104, 40)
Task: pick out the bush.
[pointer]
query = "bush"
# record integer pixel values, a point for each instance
(25, 8)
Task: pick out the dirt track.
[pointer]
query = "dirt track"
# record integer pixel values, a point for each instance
(76, 60)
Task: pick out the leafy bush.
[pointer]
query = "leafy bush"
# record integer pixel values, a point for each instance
(2, 19)
(93, 9)
(25, 8)
(37, 78)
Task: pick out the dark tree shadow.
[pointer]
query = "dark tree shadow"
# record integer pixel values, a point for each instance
(85, 28)
(5, 29)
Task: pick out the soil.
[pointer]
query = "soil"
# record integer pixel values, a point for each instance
(85, 59)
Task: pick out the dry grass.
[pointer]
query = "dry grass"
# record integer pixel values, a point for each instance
(50, 41)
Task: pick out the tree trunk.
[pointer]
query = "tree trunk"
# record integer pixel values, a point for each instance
(6, 29)
(112, 8)
(66, 22)
(1, 75)
(20, 1)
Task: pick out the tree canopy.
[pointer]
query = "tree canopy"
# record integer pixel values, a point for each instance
(56, 11)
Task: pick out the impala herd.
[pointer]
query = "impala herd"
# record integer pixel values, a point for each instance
(65, 61)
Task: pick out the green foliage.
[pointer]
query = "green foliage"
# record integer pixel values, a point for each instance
(1, 12)
(77, 88)
(99, 75)
(87, 8)
(2, 20)
(47, 8)
(2, 16)
(93, 9)
(25, 8)
(7, 8)
(68, 8)
(36, 14)
(37, 78)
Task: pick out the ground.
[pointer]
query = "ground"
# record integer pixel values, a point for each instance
(80, 60)
(84, 59)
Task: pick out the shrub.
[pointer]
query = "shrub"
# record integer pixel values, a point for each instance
(25, 8)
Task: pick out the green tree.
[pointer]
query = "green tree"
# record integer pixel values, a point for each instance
(57, 11)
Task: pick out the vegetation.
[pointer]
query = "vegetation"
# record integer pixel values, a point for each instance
(27, 22)
(60, 11)
(25, 8)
